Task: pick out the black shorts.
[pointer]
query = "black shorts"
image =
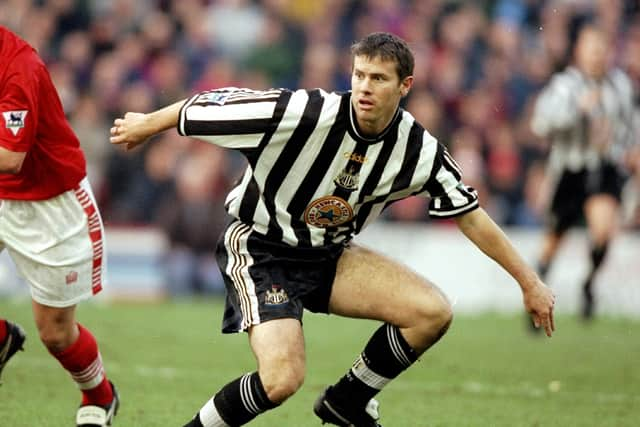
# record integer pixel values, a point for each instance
(574, 188)
(268, 280)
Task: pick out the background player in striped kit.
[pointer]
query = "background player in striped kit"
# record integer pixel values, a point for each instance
(321, 167)
(50, 224)
(586, 113)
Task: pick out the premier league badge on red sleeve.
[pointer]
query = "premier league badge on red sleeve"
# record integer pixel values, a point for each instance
(14, 120)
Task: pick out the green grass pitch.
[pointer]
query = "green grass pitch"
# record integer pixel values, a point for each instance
(167, 359)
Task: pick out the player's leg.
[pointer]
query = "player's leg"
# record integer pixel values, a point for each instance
(551, 242)
(261, 299)
(278, 346)
(12, 338)
(416, 314)
(601, 214)
(75, 347)
(565, 210)
(57, 245)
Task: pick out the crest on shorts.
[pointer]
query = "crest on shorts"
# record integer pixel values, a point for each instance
(14, 120)
(328, 211)
(71, 278)
(276, 296)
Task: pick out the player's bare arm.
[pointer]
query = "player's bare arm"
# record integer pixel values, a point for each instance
(11, 161)
(135, 128)
(490, 239)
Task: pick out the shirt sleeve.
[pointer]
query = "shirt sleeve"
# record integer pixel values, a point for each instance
(231, 117)
(450, 197)
(18, 104)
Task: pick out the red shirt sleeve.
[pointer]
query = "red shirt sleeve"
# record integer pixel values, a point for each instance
(18, 103)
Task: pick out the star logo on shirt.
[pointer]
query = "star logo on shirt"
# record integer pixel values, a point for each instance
(14, 120)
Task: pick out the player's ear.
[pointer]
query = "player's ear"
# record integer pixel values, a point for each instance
(405, 85)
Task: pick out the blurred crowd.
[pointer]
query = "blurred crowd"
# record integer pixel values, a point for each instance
(479, 66)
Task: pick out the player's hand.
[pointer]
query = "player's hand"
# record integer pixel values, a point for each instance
(539, 301)
(130, 131)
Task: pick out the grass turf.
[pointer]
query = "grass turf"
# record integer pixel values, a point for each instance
(167, 359)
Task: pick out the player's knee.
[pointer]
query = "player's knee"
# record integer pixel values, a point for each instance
(283, 383)
(436, 315)
(444, 316)
(56, 339)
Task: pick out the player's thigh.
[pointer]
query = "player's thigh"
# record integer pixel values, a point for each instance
(278, 346)
(53, 317)
(373, 286)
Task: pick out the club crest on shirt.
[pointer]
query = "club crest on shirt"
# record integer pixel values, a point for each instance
(276, 296)
(328, 211)
(347, 179)
(14, 120)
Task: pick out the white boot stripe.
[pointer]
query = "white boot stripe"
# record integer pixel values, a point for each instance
(90, 415)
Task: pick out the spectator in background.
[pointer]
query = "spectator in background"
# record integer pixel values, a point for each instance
(278, 53)
(167, 75)
(151, 184)
(76, 51)
(88, 122)
(503, 171)
(586, 113)
(193, 216)
(236, 25)
(320, 66)
(120, 168)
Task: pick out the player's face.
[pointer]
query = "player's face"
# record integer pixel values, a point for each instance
(376, 92)
(592, 53)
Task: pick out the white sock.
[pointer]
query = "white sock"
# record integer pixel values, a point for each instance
(209, 416)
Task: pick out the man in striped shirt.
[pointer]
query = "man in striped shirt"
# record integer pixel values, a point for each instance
(321, 167)
(587, 115)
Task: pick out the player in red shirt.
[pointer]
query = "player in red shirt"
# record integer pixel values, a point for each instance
(50, 224)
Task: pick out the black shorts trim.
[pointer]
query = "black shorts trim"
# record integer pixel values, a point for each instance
(268, 280)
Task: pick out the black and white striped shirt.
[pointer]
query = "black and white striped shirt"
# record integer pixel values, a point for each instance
(312, 179)
(580, 140)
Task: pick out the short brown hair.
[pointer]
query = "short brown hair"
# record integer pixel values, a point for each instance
(387, 47)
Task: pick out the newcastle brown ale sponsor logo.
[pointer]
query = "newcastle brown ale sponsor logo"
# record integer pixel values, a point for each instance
(328, 211)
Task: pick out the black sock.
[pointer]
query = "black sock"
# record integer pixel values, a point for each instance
(598, 252)
(242, 400)
(386, 355)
